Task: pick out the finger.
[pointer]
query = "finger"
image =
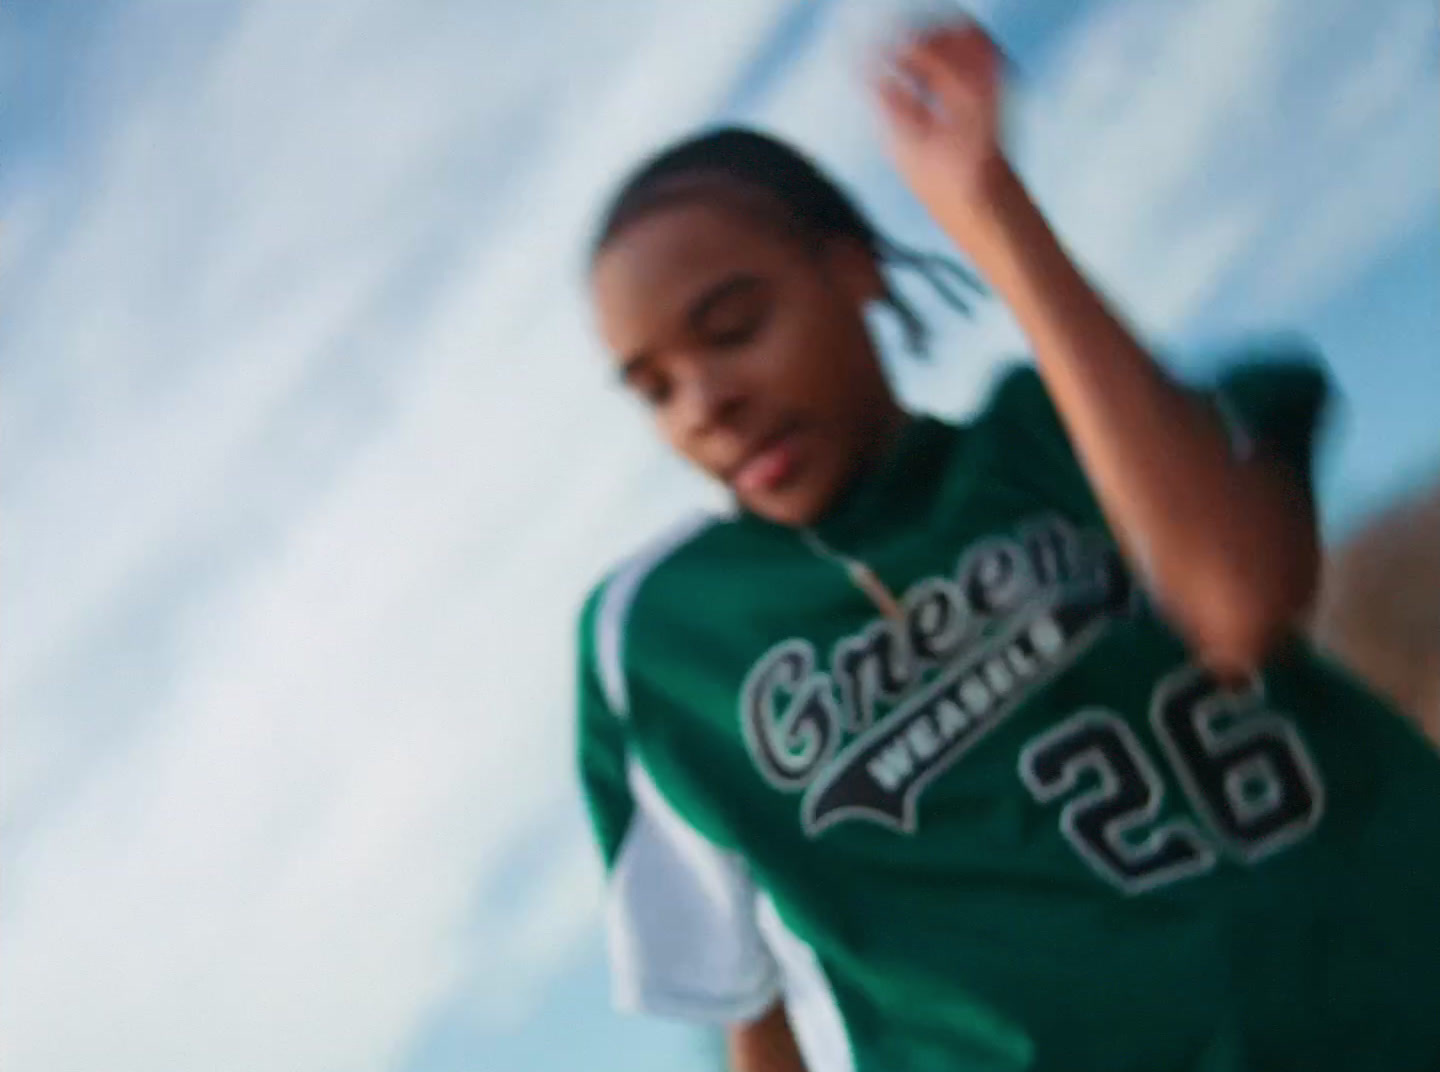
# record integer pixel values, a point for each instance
(923, 62)
(951, 57)
(901, 103)
(967, 47)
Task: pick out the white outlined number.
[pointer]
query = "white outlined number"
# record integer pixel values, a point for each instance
(1243, 768)
(1104, 824)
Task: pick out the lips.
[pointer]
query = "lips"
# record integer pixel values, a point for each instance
(768, 466)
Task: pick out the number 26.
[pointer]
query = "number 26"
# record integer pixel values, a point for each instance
(1244, 769)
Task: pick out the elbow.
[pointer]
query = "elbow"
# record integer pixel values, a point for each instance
(1238, 647)
(1238, 613)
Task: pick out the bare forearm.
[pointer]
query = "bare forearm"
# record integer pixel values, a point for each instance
(767, 1045)
(1228, 543)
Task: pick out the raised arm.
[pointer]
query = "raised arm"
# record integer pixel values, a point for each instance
(1225, 537)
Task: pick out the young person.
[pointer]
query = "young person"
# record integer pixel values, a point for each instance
(985, 746)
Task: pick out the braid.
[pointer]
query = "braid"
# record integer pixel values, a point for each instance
(814, 204)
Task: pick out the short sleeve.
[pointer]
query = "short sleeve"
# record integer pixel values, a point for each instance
(1272, 399)
(680, 912)
(1275, 402)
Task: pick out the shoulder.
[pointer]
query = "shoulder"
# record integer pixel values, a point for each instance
(609, 608)
(685, 539)
(1285, 374)
(1018, 411)
(1274, 354)
(1276, 391)
(1013, 395)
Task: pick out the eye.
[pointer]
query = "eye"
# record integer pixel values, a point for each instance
(737, 334)
(736, 319)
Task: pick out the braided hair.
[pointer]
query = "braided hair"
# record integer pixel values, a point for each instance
(813, 205)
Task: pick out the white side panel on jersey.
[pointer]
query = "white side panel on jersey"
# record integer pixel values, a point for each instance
(680, 919)
(615, 608)
(809, 1002)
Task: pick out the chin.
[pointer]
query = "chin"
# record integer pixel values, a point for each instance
(795, 508)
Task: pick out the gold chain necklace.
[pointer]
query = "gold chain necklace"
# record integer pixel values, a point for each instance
(861, 576)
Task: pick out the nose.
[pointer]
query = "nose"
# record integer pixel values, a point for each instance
(713, 396)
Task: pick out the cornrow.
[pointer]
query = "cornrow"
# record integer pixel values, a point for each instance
(817, 207)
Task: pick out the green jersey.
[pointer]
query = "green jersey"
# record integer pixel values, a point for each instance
(1009, 824)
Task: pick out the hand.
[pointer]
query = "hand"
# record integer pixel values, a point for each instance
(940, 95)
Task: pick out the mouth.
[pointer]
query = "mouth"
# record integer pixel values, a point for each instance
(767, 465)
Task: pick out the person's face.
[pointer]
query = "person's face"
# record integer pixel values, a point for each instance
(750, 349)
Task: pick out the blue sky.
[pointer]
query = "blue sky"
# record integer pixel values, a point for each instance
(308, 454)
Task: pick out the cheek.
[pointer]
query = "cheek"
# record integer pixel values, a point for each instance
(816, 350)
(671, 430)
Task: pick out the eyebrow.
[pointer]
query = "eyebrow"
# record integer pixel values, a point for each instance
(700, 308)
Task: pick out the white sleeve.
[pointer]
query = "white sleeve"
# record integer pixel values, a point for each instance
(681, 921)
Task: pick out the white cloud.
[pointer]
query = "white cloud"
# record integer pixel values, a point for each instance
(1374, 154)
(1247, 144)
(375, 555)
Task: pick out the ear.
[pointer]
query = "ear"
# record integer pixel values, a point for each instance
(855, 270)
